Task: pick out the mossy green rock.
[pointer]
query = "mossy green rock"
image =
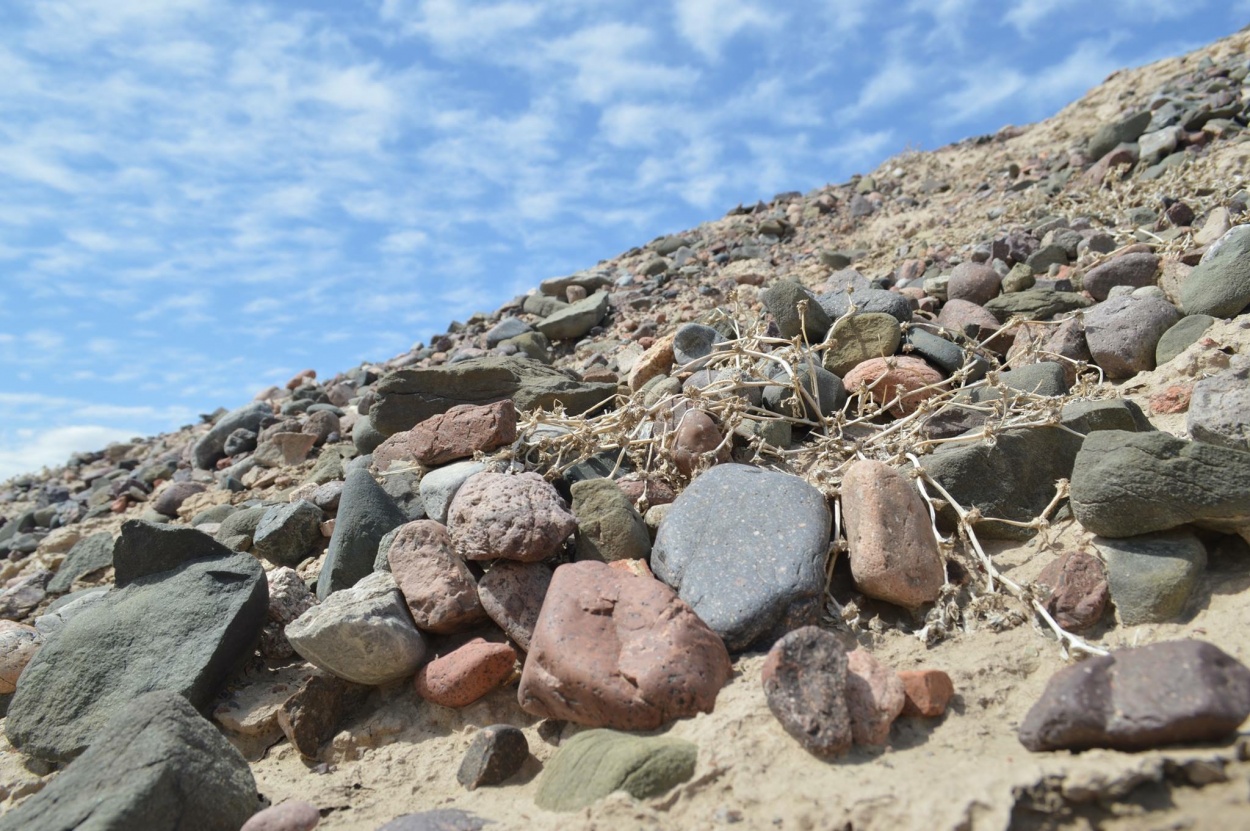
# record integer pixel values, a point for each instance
(608, 526)
(595, 763)
(860, 337)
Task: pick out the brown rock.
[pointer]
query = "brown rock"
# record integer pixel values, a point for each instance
(18, 644)
(653, 490)
(1078, 589)
(512, 594)
(1172, 399)
(508, 516)
(976, 322)
(1038, 342)
(289, 597)
(284, 449)
(893, 551)
(613, 650)
(456, 434)
(436, 584)
(903, 378)
(804, 679)
(1119, 157)
(313, 712)
(874, 697)
(496, 753)
(656, 361)
(695, 440)
(974, 282)
(1135, 269)
(298, 379)
(292, 815)
(464, 675)
(172, 496)
(926, 691)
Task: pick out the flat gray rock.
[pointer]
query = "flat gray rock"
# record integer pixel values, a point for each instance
(745, 547)
(1152, 576)
(838, 303)
(1183, 333)
(1219, 409)
(366, 513)
(157, 765)
(409, 396)
(439, 486)
(1041, 303)
(181, 630)
(1125, 484)
(783, 298)
(88, 554)
(575, 320)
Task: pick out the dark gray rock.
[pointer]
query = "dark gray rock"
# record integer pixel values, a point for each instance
(286, 533)
(409, 396)
(1135, 270)
(824, 388)
(212, 447)
(440, 819)
(1183, 333)
(1152, 576)
(1219, 409)
(838, 303)
(496, 753)
(1220, 285)
(182, 630)
(1125, 484)
(146, 548)
(1104, 414)
(157, 765)
(745, 547)
(804, 679)
(693, 341)
(366, 437)
(240, 440)
(509, 327)
(1123, 332)
(1110, 136)
(366, 513)
(782, 300)
(24, 596)
(237, 530)
(1040, 303)
(88, 555)
(1134, 699)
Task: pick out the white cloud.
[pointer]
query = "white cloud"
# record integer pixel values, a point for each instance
(981, 90)
(708, 24)
(27, 451)
(457, 26)
(405, 242)
(1025, 14)
(896, 79)
(612, 59)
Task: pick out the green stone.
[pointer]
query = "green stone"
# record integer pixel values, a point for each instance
(595, 763)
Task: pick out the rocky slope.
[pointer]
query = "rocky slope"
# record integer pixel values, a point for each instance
(830, 510)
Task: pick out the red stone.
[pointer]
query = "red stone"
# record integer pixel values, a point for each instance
(435, 582)
(1173, 399)
(874, 697)
(901, 377)
(456, 434)
(508, 516)
(1078, 589)
(695, 440)
(926, 691)
(464, 675)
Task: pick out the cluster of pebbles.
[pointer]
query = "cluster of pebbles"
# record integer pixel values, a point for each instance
(740, 439)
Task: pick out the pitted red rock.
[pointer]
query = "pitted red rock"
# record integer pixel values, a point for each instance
(456, 434)
(1078, 589)
(874, 696)
(508, 516)
(900, 377)
(464, 675)
(436, 584)
(614, 650)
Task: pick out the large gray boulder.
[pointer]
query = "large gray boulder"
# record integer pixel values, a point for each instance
(157, 765)
(575, 320)
(182, 629)
(409, 396)
(745, 547)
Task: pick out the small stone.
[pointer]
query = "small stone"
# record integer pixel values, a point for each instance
(439, 486)
(509, 516)
(1184, 333)
(804, 679)
(366, 513)
(18, 644)
(437, 585)
(874, 698)
(821, 387)
(1135, 270)
(893, 551)
(512, 594)
(1077, 584)
(900, 384)
(1152, 576)
(89, 555)
(1109, 136)
(292, 815)
(783, 299)
(171, 497)
(1174, 692)
(309, 717)
(1220, 284)
(210, 448)
(654, 363)
(289, 598)
(440, 819)
(497, 752)
(1219, 410)
(282, 449)
(576, 319)
(1171, 399)
(594, 763)
(464, 675)
(322, 424)
(286, 533)
(608, 526)
(693, 341)
(926, 692)
(695, 442)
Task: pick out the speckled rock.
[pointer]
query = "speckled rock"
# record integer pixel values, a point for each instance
(693, 341)
(614, 650)
(366, 513)
(1152, 576)
(286, 533)
(804, 678)
(746, 548)
(1134, 270)
(456, 434)
(496, 753)
(436, 584)
(18, 644)
(512, 594)
(910, 380)
(838, 303)
(595, 763)
(438, 487)
(1174, 692)
(513, 517)
(1219, 407)
(1122, 333)
(289, 597)
(1075, 590)
(465, 674)
(874, 697)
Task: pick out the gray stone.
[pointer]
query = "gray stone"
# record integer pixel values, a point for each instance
(365, 514)
(409, 396)
(1174, 692)
(608, 526)
(439, 819)
(693, 341)
(146, 548)
(1123, 332)
(860, 337)
(173, 495)
(838, 303)
(1110, 136)
(542, 305)
(782, 299)
(1219, 409)
(512, 594)
(181, 630)
(575, 320)
(1152, 576)
(1039, 303)
(286, 533)
(211, 448)
(804, 678)
(62, 609)
(823, 387)
(509, 327)
(496, 753)
(594, 763)
(362, 634)
(365, 436)
(1220, 285)
(1104, 414)
(1125, 484)
(1135, 270)
(943, 354)
(236, 531)
(745, 547)
(439, 486)
(157, 765)
(90, 554)
(1181, 336)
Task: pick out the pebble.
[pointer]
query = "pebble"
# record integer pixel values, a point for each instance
(1220, 284)
(614, 650)
(893, 551)
(973, 282)
(696, 442)
(496, 753)
(823, 389)
(1134, 270)
(465, 674)
(859, 338)
(512, 594)
(456, 434)
(927, 692)
(693, 341)
(1173, 692)
(171, 497)
(900, 384)
(575, 320)
(310, 715)
(838, 303)
(366, 513)
(783, 298)
(289, 598)
(292, 815)
(436, 584)
(283, 449)
(286, 533)
(514, 517)
(874, 698)
(438, 487)
(1076, 590)
(804, 676)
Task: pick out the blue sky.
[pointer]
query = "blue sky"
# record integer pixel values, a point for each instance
(202, 197)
